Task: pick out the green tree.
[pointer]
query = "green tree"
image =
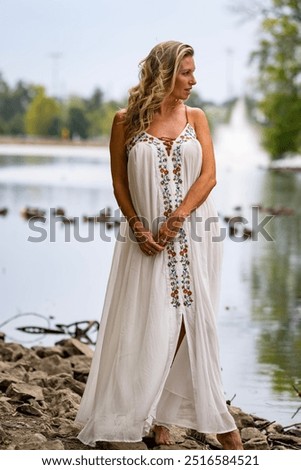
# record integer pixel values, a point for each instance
(13, 105)
(41, 114)
(100, 120)
(95, 102)
(4, 99)
(3, 127)
(16, 125)
(77, 122)
(20, 98)
(108, 112)
(278, 60)
(282, 132)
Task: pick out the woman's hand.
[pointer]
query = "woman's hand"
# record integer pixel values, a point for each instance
(169, 229)
(147, 243)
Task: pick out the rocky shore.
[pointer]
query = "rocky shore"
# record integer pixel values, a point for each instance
(41, 388)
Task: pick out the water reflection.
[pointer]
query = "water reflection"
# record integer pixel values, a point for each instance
(276, 286)
(62, 281)
(260, 300)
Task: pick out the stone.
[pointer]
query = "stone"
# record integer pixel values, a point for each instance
(257, 443)
(212, 441)
(63, 382)
(103, 445)
(47, 352)
(64, 403)
(82, 348)
(35, 441)
(73, 346)
(3, 436)
(6, 379)
(28, 409)
(54, 365)
(250, 433)
(23, 392)
(282, 439)
(274, 428)
(53, 445)
(41, 388)
(5, 406)
(242, 419)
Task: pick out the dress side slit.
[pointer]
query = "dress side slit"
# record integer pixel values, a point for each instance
(180, 338)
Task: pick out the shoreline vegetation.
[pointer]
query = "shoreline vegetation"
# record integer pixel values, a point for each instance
(290, 163)
(31, 140)
(40, 392)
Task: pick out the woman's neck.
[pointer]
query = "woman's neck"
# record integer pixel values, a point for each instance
(168, 106)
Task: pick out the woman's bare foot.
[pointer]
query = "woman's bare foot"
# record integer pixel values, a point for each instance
(230, 440)
(162, 436)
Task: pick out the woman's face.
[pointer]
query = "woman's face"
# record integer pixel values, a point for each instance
(185, 79)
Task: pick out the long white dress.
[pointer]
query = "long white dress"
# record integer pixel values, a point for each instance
(134, 381)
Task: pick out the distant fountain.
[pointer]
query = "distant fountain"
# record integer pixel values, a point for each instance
(241, 162)
(237, 144)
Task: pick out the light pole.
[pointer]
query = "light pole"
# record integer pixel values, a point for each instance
(229, 72)
(55, 56)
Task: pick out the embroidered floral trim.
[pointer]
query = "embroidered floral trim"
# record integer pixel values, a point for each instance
(173, 153)
(170, 169)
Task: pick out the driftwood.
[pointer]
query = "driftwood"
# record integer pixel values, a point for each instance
(299, 395)
(81, 330)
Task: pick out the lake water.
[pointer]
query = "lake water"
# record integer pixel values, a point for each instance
(62, 279)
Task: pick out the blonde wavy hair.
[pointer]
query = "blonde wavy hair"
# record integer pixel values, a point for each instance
(157, 77)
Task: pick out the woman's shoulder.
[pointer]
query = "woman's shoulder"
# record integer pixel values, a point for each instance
(120, 116)
(199, 121)
(118, 124)
(196, 113)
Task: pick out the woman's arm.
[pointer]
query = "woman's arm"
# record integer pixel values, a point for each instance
(119, 169)
(202, 187)
(121, 186)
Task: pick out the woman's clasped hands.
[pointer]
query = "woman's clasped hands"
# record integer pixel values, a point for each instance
(151, 244)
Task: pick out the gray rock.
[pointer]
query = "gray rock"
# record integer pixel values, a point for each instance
(5, 406)
(3, 436)
(41, 388)
(23, 392)
(251, 433)
(54, 365)
(6, 379)
(120, 446)
(64, 403)
(61, 381)
(257, 443)
(274, 428)
(28, 409)
(290, 441)
(31, 441)
(242, 419)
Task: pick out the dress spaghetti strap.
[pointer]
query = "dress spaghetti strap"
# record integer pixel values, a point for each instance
(186, 114)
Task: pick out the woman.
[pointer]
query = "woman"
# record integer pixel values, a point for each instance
(156, 359)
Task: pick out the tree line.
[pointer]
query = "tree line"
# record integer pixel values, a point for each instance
(277, 90)
(26, 109)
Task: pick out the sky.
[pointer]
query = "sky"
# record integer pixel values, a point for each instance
(74, 46)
